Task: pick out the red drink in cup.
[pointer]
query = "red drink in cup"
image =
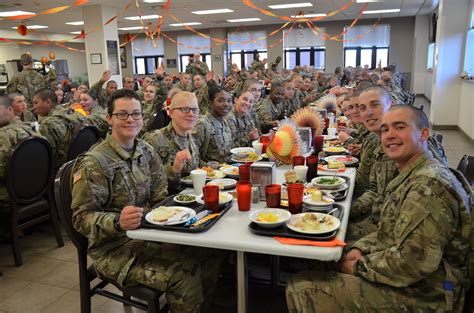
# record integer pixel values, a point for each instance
(297, 160)
(312, 164)
(295, 198)
(265, 140)
(244, 195)
(273, 195)
(244, 172)
(211, 197)
(318, 143)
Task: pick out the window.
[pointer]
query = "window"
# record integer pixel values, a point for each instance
(430, 61)
(146, 65)
(190, 44)
(147, 55)
(184, 60)
(244, 58)
(372, 47)
(469, 53)
(244, 45)
(303, 47)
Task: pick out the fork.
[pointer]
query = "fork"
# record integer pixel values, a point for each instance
(182, 219)
(326, 214)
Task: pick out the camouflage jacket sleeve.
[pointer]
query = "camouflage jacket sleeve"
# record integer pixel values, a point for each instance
(421, 232)
(98, 86)
(53, 133)
(51, 78)
(90, 194)
(12, 85)
(362, 182)
(265, 116)
(159, 182)
(202, 137)
(366, 243)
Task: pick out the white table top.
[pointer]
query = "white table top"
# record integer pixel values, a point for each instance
(231, 232)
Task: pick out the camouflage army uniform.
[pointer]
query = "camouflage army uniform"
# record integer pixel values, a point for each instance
(370, 142)
(267, 111)
(58, 128)
(202, 95)
(167, 143)
(213, 137)
(421, 244)
(257, 65)
(28, 81)
(193, 70)
(101, 94)
(240, 125)
(110, 178)
(292, 105)
(98, 118)
(27, 116)
(358, 137)
(183, 87)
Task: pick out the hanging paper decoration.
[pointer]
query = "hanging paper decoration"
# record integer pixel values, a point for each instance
(44, 59)
(22, 30)
(52, 55)
(309, 117)
(286, 143)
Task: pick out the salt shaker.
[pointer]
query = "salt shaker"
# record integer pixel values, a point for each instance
(255, 193)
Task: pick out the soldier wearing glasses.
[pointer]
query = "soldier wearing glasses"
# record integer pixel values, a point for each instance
(113, 185)
(174, 143)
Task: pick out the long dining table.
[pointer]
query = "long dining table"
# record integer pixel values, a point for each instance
(231, 232)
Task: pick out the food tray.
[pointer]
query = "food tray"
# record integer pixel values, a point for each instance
(180, 228)
(283, 231)
(341, 195)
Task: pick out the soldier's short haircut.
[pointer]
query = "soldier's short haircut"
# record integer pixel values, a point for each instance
(214, 90)
(276, 83)
(250, 82)
(419, 117)
(13, 95)
(384, 93)
(4, 101)
(111, 82)
(26, 59)
(125, 77)
(120, 94)
(47, 93)
(93, 93)
(180, 95)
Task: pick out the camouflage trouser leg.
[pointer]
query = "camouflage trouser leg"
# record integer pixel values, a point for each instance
(174, 272)
(355, 231)
(309, 292)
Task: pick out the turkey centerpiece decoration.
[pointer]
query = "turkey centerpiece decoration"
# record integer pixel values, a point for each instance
(328, 102)
(286, 142)
(309, 117)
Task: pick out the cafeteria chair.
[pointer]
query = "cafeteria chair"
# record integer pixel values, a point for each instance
(158, 120)
(82, 139)
(88, 288)
(28, 179)
(466, 167)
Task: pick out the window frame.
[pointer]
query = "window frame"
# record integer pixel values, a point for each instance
(204, 58)
(298, 50)
(145, 57)
(243, 53)
(374, 49)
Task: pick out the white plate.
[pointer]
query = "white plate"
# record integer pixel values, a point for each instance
(186, 181)
(185, 202)
(226, 198)
(176, 214)
(327, 201)
(228, 170)
(216, 174)
(339, 150)
(324, 167)
(316, 180)
(346, 159)
(282, 215)
(235, 159)
(329, 137)
(226, 183)
(297, 224)
(241, 152)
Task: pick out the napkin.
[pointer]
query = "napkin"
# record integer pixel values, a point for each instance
(303, 242)
(342, 170)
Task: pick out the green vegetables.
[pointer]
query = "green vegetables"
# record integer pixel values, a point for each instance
(328, 181)
(186, 197)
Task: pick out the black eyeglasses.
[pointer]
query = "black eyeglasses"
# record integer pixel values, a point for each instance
(124, 115)
(187, 110)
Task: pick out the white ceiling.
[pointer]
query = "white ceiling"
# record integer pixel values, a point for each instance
(183, 8)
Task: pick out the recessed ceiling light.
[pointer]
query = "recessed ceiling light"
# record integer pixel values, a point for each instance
(252, 19)
(130, 28)
(186, 24)
(291, 5)
(309, 15)
(381, 11)
(33, 26)
(76, 33)
(14, 13)
(154, 1)
(217, 11)
(78, 23)
(368, 1)
(144, 17)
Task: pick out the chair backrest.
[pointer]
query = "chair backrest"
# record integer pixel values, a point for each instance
(466, 167)
(83, 138)
(29, 170)
(63, 199)
(158, 120)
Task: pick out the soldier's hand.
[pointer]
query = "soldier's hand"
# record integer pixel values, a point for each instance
(264, 61)
(347, 130)
(275, 123)
(253, 134)
(160, 70)
(354, 149)
(180, 159)
(106, 75)
(198, 65)
(209, 76)
(343, 136)
(348, 260)
(130, 217)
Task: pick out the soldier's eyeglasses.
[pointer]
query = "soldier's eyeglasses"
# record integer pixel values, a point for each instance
(187, 110)
(124, 115)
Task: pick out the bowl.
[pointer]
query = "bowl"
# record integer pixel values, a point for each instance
(322, 182)
(282, 215)
(192, 198)
(242, 152)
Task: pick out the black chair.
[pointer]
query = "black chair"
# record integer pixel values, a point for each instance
(82, 139)
(466, 167)
(63, 198)
(29, 175)
(158, 120)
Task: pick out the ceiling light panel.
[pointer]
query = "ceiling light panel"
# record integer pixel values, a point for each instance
(78, 23)
(252, 19)
(381, 11)
(186, 24)
(143, 17)
(291, 5)
(14, 13)
(217, 11)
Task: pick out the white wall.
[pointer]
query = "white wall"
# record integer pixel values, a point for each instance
(428, 84)
(420, 54)
(466, 108)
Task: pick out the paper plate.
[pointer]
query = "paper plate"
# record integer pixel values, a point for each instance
(309, 223)
(224, 198)
(172, 215)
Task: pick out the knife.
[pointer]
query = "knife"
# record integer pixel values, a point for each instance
(198, 217)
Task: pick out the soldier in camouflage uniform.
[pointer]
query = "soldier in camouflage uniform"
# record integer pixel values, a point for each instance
(117, 182)
(96, 115)
(109, 88)
(270, 110)
(416, 260)
(255, 88)
(173, 143)
(291, 101)
(201, 89)
(151, 103)
(240, 122)
(147, 80)
(20, 109)
(257, 65)
(196, 67)
(213, 135)
(29, 80)
(185, 83)
(58, 124)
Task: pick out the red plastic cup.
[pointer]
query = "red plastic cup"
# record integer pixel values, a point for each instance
(312, 164)
(265, 140)
(297, 160)
(273, 195)
(326, 122)
(244, 172)
(244, 195)
(341, 124)
(318, 143)
(211, 197)
(295, 198)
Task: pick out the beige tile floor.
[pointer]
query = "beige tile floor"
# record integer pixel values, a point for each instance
(48, 280)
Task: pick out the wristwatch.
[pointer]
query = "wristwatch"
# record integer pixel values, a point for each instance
(117, 223)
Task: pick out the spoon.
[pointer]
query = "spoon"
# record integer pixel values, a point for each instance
(326, 214)
(182, 219)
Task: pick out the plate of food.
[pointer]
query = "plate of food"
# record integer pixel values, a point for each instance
(329, 137)
(212, 173)
(335, 150)
(332, 166)
(187, 180)
(170, 215)
(328, 182)
(242, 152)
(270, 218)
(185, 198)
(230, 170)
(346, 159)
(318, 200)
(223, 183)
(224, 198)
(250, 157)
(313, 223)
